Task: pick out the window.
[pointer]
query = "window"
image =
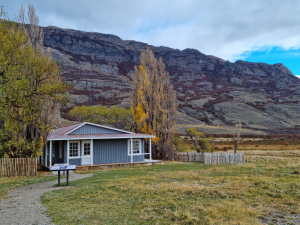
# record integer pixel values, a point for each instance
(60, 150)
(86, 146)
(136, 146)
(74, 149)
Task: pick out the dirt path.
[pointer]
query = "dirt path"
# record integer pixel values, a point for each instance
(23, 206)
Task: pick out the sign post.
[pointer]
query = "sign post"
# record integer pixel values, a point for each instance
(63, 167)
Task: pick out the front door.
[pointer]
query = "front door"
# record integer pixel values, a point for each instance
(86, 154)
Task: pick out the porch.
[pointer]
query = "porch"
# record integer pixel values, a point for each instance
(147, 162)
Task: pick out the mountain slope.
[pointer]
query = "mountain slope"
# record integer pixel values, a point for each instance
(210, 90)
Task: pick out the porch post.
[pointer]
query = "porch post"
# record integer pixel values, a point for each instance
(92, 151)
(68, 150)
(46, 158)
(43, 156)
(131, 149)
(50, 155)
(150, 149)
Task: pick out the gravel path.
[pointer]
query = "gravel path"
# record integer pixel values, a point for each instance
(23, 205)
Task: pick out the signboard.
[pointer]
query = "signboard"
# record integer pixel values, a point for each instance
(63, 167)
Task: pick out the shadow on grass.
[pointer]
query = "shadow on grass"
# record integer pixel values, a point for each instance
(64, 184)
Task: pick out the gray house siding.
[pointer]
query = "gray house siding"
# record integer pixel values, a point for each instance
(75, 162)
(104, 152)
(90, 129)
(114, 151)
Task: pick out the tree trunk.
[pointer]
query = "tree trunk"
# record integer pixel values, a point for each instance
(236, 145)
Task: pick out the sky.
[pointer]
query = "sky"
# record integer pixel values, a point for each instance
(253, 30)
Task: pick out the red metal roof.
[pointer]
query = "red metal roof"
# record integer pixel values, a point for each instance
(61, 134)
(64, 130)
(98, 136)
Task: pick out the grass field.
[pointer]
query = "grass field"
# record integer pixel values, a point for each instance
(266, 189)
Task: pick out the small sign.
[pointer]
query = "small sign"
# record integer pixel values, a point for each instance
(71, 167)
(55, 168)
(63, 167)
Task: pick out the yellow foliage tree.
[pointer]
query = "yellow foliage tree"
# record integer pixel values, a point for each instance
(31, 89)
(153, 102)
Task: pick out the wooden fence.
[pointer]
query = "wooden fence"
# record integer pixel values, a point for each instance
(11, 167)
(190, 157)
(223, 158)
(211, 158)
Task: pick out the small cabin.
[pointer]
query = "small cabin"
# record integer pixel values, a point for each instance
(89, 144)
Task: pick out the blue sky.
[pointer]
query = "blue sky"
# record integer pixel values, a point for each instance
(253, 30)
(289, 57)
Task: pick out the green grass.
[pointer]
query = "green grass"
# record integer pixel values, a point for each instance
(8, 183)
(180, 193)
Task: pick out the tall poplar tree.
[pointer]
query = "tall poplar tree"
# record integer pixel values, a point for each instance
(31, 88)
(153, 101)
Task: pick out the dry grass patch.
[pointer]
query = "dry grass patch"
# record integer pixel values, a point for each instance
(261, 144)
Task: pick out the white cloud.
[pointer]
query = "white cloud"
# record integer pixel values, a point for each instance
(298, 76)
(222, 28)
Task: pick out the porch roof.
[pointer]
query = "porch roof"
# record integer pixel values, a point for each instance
(98, 136)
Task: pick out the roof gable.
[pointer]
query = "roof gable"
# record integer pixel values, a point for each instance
(92, 128)
(86, 129)
(64, 130)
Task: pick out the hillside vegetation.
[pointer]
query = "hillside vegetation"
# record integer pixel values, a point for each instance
(210, 91)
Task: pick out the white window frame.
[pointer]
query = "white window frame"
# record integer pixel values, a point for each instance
(78, 155)
(140, 146)
(60, 150)
(89, 142)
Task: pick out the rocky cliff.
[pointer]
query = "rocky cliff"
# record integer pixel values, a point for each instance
(210, 91)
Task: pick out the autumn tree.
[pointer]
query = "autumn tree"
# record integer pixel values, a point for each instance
(115, 117)
(153, 101)
(200, 142)
(31, 90)
(194, 136)
(29, 23)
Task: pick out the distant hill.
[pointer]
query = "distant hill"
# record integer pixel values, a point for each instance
(210, 91)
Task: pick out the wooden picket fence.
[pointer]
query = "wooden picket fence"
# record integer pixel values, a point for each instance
(211, 158)
(190, 157)
(223, 158)
(12, 167)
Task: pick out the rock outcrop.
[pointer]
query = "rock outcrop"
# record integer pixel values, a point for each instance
(209, 90)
